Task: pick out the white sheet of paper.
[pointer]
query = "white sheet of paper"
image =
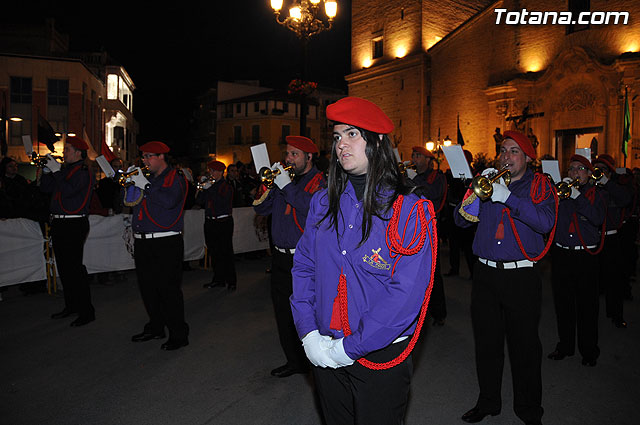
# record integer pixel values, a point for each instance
(550, 166)
(260, 157)
(105, 166)
(28, 145)
(621, 170)
(397, 154)
(457, 161)
(586, 152)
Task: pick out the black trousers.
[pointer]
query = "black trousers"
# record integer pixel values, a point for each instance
(358, 395)
(281, 291)
(68, 236)
(574, 280)
(218, 235)
(506, 304)
(461, 239)
(612, 276)
(159, 271)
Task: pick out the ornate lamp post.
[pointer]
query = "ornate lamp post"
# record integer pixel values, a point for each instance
(304, 21)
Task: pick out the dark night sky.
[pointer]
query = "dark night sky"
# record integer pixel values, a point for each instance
(174, 51)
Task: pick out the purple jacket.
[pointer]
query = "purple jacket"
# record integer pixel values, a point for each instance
(532, 222)
(71, 189)
(589, 215)
(381, 307)
(289, 208)
(162, 205)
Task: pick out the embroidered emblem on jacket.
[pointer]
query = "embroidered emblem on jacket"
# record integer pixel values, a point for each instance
(376, 260)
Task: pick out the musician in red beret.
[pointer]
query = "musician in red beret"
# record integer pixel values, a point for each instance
(71, 185)
(158, 223)
(612, 278)
(288, 203)
(215, 195)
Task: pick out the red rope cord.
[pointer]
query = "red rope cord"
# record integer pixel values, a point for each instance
(603, 231)
(184, 200)
(396, 249)
(539, 193)
(86, 196)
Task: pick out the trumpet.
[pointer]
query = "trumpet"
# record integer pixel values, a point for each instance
(404, 167)
(125, 179)
(41, 160)
(596, 175)
(483, 185)
(268, 176)
(204, 180)
(564, 188)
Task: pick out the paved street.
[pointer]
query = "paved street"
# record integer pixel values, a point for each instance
(54, 374)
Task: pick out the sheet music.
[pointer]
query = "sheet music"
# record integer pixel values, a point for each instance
(260, 157)
(105, 166)
(457, 161)
(28, 145)
(550, 166)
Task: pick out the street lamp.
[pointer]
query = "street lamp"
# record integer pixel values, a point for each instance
(6, 131)
(304, 21)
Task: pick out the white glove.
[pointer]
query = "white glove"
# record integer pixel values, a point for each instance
(139, 180)
(487, 171)
(206, 185)
(283, 178)
(500, 193)
(567, 180)
(574, 193)
(316, 347)
(131, 168)
(337, 354)
(603, 180)
(52, 164)
(410, 173)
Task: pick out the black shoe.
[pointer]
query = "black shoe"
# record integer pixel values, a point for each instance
(62, 314)
(81, 321)
(146, 336)
(174, 345)
(590, 363)
(476, 415)
(557, 355)
(619, 323)
(214, 285)
(287, 370)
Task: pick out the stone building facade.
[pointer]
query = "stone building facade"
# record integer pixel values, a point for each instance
(433, 64)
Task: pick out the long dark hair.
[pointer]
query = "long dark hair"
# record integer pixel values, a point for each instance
(382, 174)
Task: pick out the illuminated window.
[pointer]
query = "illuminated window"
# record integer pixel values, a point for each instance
(112, 86)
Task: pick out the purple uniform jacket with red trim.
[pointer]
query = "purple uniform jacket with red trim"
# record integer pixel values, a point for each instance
(532, 221)
(620, 198)
(71, 189)
(217, 200)
(162, 206)
(431, 185)
(289, 207)
(589, 212)
(382, 307)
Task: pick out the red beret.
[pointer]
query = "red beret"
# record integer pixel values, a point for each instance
(77, 143)
(423, 151)
(216, 165)
(468, 156)
(303, 143)
(154, 147)
(360, 113)
(581, 159)
(522, 141)
(607, 160)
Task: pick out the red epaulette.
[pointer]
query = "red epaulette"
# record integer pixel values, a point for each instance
(314, 184)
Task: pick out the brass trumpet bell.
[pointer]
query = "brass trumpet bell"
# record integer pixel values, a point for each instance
(597, 174)
(126, 179)
(404, 167)
(208, 179)
(41, 160)
(268, 176)
(482, 186)
(564, 188)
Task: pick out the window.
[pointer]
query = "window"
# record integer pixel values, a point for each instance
(20, 90)
(228, 110)
(256, 106)
(238, 108)
(377, 47)
(255, 133)
(58, 92)
(576, 7)
(286, 130)
(112, 86)
(285, 106)
(237, 135)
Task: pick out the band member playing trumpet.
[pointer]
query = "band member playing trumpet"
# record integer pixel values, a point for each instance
(432, 184)
(507, 287)
(71, 186)
(159, 248)
(215, 194)
(574, 272)
(288, 203)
